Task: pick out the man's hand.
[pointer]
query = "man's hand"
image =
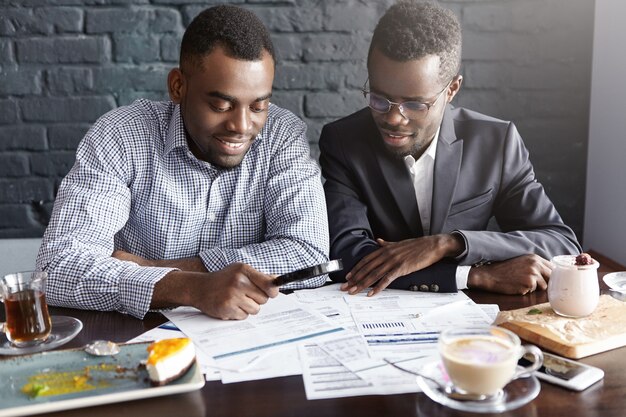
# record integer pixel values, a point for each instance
(186, 264)
(520, 275)
(396, 259)
(231, 293)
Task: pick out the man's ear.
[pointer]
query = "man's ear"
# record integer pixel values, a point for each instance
(454, 88)
(176, 85)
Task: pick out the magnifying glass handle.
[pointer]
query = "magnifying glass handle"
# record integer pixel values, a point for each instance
(308, 273)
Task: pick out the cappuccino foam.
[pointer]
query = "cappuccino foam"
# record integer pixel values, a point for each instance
(480, 351)
(479, 364)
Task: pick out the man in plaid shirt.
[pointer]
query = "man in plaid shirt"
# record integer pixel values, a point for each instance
(194, 201)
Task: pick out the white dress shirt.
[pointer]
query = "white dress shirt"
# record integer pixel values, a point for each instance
(422, 175)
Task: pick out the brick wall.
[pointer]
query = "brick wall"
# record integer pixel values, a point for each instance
(63, 63)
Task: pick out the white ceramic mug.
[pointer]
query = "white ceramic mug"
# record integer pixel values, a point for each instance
(483, 360)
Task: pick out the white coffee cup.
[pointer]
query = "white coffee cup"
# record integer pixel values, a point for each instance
(483, 360)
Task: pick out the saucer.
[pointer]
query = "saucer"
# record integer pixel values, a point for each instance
(616, 281)
(63, 330)
(515, 394)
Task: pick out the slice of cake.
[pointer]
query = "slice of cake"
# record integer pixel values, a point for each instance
(169, 359)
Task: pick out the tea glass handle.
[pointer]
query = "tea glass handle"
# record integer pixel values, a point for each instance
(3, 326)
(537, 361)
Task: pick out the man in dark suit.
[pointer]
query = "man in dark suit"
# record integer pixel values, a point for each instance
(412, 182)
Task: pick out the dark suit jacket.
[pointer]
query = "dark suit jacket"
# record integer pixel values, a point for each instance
(482, 169)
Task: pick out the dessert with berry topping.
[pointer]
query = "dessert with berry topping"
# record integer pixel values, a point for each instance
(169, 359)
(584, 259)
(573, 288)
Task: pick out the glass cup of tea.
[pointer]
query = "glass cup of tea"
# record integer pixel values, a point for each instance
(27, 319)
(482, 361)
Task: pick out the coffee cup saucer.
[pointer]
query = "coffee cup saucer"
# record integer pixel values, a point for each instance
(436, 386)
(616, 281)
(63, 330)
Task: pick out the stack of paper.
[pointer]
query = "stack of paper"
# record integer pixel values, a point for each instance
(342, 344)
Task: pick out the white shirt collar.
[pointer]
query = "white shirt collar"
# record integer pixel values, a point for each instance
(431, 151)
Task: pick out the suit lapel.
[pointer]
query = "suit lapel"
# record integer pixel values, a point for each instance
(446, 174)
(399, 182)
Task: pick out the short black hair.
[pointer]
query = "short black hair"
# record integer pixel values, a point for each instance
(412, 30)
(239, 31)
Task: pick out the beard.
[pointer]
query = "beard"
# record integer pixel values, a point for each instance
(415, 147)
(398, 153)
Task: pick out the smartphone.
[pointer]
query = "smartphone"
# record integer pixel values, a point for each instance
(565, 372)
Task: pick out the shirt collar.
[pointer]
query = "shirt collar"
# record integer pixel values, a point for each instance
(175, 136)
(430, 152)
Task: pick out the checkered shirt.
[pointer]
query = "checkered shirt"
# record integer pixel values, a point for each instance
(136, 186)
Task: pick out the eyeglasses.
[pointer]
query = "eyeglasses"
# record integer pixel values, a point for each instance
(410, 110)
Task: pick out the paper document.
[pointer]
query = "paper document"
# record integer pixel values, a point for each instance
(340, 343)
(234, 345)
(327, 293)
(396, 324)
(325, 377)
(490, 310)
(274, 363)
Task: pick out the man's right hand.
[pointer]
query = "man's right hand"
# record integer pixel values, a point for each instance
(520, 275)
(232, 293)
(395, 259)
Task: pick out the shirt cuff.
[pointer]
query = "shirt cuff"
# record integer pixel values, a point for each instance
(214, 259)
(461, 276)
(137, 287)
(458, 233)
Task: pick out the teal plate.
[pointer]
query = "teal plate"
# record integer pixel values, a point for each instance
(113, 378)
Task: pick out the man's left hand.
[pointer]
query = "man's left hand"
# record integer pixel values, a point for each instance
(396, 259)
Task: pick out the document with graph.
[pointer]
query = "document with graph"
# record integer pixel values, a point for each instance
(398, 324)
(396, 327)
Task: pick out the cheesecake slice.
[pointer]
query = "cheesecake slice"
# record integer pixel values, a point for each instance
(169, 359)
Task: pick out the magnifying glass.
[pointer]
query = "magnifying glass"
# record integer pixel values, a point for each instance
(308, 273)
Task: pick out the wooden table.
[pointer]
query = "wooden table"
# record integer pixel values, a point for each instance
(285, 396)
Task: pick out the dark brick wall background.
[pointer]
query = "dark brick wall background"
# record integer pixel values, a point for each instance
(63, 63)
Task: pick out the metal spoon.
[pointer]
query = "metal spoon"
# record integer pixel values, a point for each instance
(448, 389)
(102, 348)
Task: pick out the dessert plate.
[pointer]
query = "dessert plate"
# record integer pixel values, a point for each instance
(67, 379)
(517, 393)
(63, 330)
(616, 281)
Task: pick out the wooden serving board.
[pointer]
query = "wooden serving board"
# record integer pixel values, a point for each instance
(603, 330)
